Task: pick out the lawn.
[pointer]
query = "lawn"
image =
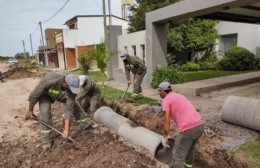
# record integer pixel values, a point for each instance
(110, 93)
(251, 151)
(201, 75)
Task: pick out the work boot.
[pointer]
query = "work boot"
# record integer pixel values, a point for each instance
(47, 144)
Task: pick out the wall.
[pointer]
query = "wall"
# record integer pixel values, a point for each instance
(91, 29)
(137, 39)
(248, 34)
(70, 37)
(70, 58)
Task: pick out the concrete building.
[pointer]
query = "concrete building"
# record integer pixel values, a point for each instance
(83, 32)
(231, 33)
(238, 34)
(50, 58)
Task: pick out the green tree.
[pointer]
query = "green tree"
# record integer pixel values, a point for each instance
(190, 35)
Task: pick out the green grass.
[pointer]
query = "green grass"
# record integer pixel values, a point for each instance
(201, 75)
(251, 151)
(110, 93)
(97, 76)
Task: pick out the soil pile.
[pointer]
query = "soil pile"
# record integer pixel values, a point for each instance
(22, 72)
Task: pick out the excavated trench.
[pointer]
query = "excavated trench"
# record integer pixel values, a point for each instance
(207, 153)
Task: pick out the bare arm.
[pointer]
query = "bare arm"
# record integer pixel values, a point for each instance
(66, 128)
(166, 124)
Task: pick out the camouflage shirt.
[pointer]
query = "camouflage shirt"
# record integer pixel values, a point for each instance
(50, 86)
(135, 65)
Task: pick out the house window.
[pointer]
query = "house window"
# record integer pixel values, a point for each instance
(134, 49)
(143, 52)
(227, 41)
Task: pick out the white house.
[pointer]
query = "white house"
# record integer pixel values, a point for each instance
(230, 34)
(83, 32)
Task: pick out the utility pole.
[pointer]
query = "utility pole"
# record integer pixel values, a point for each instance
(105, 36)
(44, 51)
(109, 11)
(24, 50)
(31, 44)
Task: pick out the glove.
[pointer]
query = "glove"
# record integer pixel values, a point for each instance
(165, 142)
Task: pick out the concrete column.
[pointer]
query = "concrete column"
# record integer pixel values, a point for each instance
(156, 46)
(113, 32)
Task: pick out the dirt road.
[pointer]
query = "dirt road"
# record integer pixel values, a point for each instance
(20, 142)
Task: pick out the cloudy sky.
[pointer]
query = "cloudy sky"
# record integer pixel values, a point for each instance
(20, 18)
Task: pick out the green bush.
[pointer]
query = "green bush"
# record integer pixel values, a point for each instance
(190, 66)
(86, 59)
(237, 59)
(205, 65)
(169, 74)
(257, 63)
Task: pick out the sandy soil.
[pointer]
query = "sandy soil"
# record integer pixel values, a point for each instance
(20, 142)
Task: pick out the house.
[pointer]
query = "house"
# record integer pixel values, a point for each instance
(230, 34)
(83, 32)
(51, 57)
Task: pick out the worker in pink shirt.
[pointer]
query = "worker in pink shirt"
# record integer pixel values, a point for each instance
(188, 122)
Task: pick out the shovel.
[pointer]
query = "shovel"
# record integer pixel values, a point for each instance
(57, 131)
(117, 108)
(125, 92)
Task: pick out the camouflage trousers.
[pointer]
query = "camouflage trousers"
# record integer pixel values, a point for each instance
(45, 103)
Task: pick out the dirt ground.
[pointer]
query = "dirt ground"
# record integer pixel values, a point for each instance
(20, 141)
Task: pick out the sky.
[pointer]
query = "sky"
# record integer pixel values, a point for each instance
(20, 18)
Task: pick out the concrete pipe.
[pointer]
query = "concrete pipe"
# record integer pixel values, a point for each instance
(242, 111)
(136, 134)
(106, 116)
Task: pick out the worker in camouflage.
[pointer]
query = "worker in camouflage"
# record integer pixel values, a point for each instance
(89, 94)
(56, 87)
(138, 68)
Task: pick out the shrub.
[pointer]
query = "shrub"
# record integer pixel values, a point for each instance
(205, 65)
(86, 59)
(169, 74)
(257, 63)
(190, 66)
(237, 59)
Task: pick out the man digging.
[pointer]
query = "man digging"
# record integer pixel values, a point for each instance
(56, 87)
(138, 68)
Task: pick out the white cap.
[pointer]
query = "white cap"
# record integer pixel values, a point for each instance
(82, 79)
(73, 82)
(123, 55)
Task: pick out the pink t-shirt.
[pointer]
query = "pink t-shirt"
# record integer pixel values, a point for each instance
(182, 111)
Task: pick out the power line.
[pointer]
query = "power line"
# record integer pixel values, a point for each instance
(35, 29)
(56, 12)
(98, 5)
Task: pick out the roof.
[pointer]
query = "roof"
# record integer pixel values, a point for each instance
(246, 14)
(77, 16)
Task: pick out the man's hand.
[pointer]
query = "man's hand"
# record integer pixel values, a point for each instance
(129, 83)
(65, 134)
(165, 142)
(30, 115)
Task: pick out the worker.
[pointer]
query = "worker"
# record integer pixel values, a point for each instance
(188, 122)
(138, 68)
(89, 95)
(56, 87)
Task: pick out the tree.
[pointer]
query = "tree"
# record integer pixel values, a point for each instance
(21, 55)
(191, 35)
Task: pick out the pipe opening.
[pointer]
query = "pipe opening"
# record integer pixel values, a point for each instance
(164, 155)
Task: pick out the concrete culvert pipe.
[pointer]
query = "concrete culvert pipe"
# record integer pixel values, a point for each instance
(136, 134)
(242, 111)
